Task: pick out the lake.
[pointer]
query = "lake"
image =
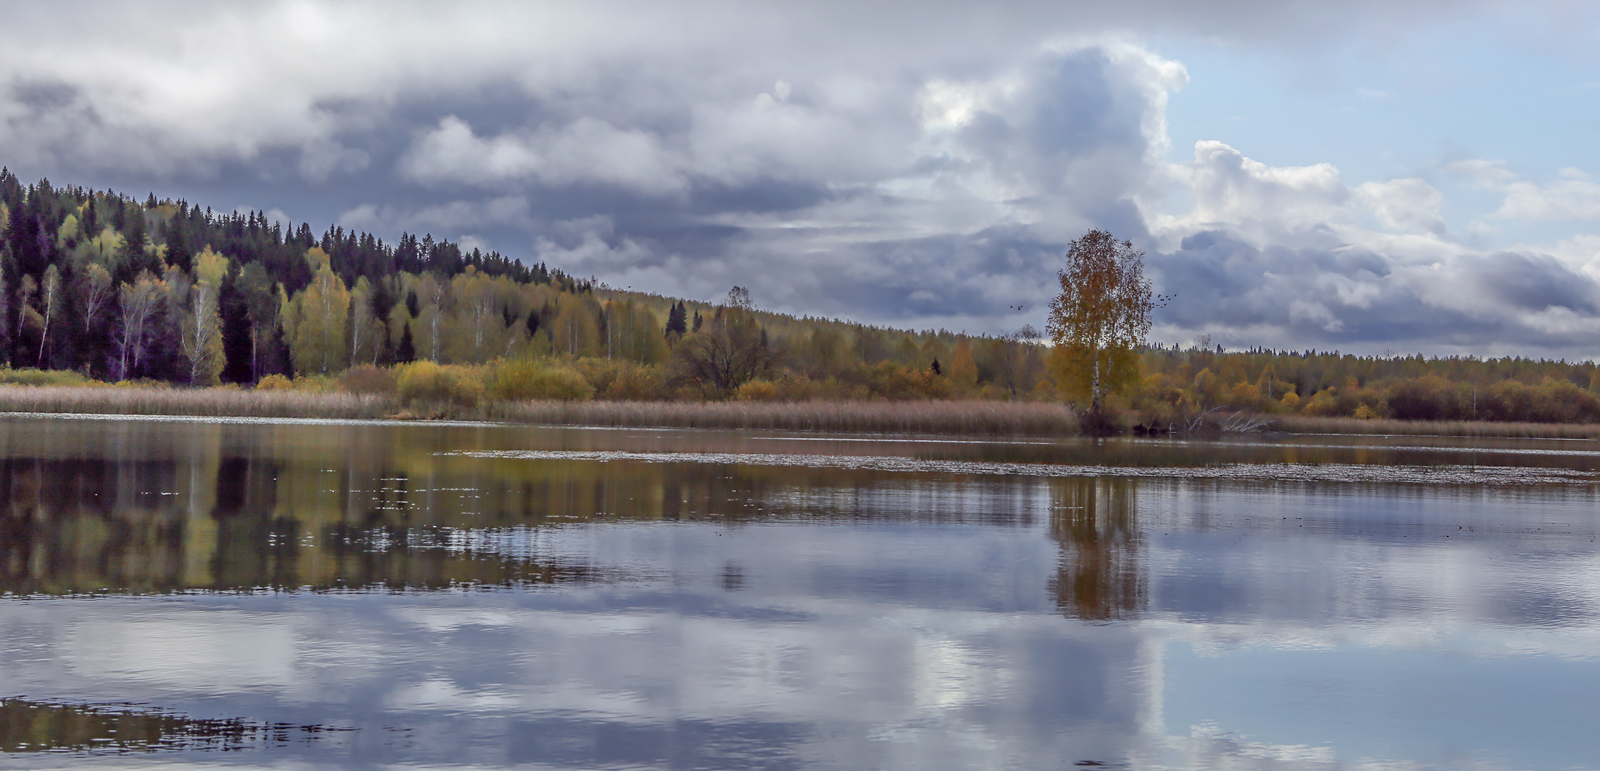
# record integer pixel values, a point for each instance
(198, 594)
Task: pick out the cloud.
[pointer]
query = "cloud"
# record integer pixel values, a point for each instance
(585, 151)
(1231, 189)
(451, 217)
(1408, 205)
(1576, 197)
(913, 164)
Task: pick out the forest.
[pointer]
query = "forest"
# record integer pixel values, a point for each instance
(100, 287)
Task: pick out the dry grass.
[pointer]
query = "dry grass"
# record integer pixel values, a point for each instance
(971, 418)
(951, 418)
(1305, 424)
(207, 402)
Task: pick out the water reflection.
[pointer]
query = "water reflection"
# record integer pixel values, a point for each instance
(580, 599)
(35, 726)
(1100, 576)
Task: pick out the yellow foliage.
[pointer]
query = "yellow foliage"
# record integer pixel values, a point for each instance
(429, 383)
(757, 391)
(275, 382)
(526, 380)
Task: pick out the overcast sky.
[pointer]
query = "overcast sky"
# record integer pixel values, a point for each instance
(1364, 176)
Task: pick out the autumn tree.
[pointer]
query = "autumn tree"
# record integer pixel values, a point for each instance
(730, 349)
(315, 320)
(202, 324)
(139, 302)
(364, 325)
(575, 332)
(1099, 320)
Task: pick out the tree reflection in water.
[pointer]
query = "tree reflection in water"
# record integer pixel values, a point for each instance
(37, 726)
(1100, 577)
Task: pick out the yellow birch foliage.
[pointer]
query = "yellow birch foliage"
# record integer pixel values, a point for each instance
(316, 318)
(202, 325)
(1099, 320)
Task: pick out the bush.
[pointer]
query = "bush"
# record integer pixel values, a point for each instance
(275, 382)
(42, 377)
(1322, 403)
(616, 380)
(757, 391)
(1429, 397)
(367, 379)
(429, 383)
(528, 380)
(892, 381)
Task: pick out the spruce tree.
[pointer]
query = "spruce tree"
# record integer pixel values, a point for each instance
(407, 351)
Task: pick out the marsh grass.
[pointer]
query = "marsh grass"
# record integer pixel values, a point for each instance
(205, 402)
(949, 418)
(1306, 424)
(977, 418)
(969, 418)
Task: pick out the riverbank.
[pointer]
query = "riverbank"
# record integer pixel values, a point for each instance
(954, 418)
(1307, 424)
(948, 418)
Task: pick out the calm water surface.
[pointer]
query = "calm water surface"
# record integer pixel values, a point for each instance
(257, 595)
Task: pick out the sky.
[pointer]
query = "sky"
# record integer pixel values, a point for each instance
(1373, 177)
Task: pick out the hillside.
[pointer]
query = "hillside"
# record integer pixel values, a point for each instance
(113, 288)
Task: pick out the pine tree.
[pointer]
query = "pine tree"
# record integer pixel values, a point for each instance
(676, 321)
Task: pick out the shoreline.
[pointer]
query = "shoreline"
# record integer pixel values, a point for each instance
(940, 418)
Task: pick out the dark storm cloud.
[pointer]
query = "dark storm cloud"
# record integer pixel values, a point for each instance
(1359, 299)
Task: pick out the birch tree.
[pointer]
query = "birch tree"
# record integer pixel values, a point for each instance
(364, 327)
(49, 292)
(139, 301)
(317, 320)
(201, 341)
(1099, 320)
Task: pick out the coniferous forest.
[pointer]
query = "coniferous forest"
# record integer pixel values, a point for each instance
(97, 286)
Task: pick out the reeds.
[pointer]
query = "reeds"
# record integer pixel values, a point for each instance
(973, 418)
(204, 402)
(1306, 424)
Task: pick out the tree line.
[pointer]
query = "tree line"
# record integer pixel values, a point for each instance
(120, 289)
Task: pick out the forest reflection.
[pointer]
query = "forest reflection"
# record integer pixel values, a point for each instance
(36, 726)
(194, 508)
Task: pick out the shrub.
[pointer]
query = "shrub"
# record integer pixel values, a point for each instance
(367, 379)
(622, 380)
(430, 383)
(1429, 397)
(757, 391)
(525, 380)
(42, 377)
(275, 382)
(1321, 403)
